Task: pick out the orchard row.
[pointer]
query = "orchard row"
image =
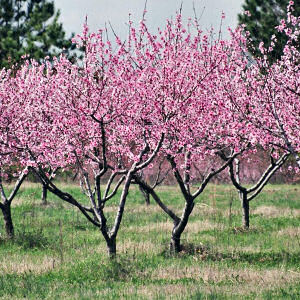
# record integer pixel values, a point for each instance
(165, 103)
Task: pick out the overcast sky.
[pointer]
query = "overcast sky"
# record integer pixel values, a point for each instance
(99, 12)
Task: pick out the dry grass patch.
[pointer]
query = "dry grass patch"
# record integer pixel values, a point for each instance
(237, 249)
(143, 209)
(169, 291)
(28, 264)
(111, 209)
(172, 189)
(289, 231)
(18, 201)
(203, 225)
(133, 247)
(251, 278)
(274, 212)
(224, 281)
(176, 272)
(159, 226)
(204, 209)
(257, 278)
(192, 227)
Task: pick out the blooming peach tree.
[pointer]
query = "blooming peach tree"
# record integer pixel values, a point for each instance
(181, 95)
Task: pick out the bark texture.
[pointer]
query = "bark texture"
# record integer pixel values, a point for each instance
(111, 248)
(9, 227)
(178, 229)
(246, 211)
(145, 194)
(175, 246)
(44, 195)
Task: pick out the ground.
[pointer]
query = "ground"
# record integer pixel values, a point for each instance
(57, 254)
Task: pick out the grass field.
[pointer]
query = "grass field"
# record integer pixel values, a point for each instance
(57, 254)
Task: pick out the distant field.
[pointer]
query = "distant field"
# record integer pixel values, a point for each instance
(57, 254)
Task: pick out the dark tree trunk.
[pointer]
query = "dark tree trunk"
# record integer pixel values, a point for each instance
(178, 229)
(44, 195)
(111, 247)
(175, 246)
(246, 214)
(9, 227)
(146, 195)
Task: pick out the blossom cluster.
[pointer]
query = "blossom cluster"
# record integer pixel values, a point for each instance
(183, 87)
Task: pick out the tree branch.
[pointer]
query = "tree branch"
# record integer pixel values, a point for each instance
(18, 184)
(152, 156)
(178, 177)
(64, 196)
(212, 174)
(118, 219)
(156, 198)
(114, 191)
(267, 177)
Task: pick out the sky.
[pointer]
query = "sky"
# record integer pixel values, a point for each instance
(100, 12)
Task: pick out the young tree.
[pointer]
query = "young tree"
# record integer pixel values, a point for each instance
(265, 97)
(29, 27)
(187, 76)
(87, 117)
(248, 194)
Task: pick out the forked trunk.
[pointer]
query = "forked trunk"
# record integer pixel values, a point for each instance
(9, 227)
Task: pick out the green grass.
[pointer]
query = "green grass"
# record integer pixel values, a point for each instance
(57, 254)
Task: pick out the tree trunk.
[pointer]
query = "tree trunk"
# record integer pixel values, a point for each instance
(111, 247)
(178, 229)
(44, 195)
(245, 206)
(146, 195)
(175, 246)
(9, 227)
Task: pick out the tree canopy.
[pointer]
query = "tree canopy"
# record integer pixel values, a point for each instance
(175, 96)
(261, 21)
(30, 27)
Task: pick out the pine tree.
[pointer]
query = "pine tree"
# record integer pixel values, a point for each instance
(30, 27)
(264, 17)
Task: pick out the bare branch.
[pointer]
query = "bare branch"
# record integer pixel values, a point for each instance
(83, 189)
(17, 185)
(64, 196)
(235, 181)
(212, 174)
(156, 198)
(118, 219)
(159, 179)
(178, 177)
(152, 156)
(114, 191)
(266, 177)
(187, 169)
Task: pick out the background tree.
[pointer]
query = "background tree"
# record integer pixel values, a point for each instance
(268, 93)
(30, 27)
(248, 194)
(261, 21)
